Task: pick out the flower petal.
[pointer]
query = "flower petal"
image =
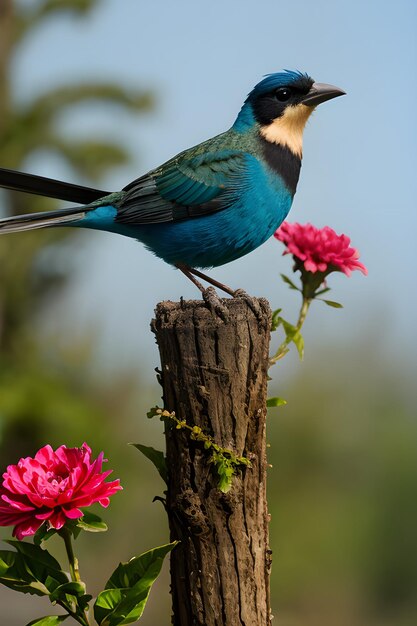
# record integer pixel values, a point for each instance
(53, 486)
(319, 249)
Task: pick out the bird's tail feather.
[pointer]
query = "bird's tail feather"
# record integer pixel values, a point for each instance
(48, 187)
(31, 221)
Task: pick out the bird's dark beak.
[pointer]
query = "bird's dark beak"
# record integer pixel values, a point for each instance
(320, 92)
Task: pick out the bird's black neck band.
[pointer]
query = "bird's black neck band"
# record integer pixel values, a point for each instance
(283, 162)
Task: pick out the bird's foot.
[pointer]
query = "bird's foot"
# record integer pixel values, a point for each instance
(252, 302)
(211, 298)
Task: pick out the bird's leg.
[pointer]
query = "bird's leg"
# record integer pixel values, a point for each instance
(237, 293)
(212, 281)
(209, 294)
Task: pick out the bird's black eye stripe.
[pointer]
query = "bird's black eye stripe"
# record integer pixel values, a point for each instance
(283, 94)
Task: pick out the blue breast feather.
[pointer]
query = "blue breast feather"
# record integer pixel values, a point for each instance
(259, 206)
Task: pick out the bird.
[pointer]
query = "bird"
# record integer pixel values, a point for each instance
(210, 204)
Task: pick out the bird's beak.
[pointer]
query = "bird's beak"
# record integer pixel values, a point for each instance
(320, 92)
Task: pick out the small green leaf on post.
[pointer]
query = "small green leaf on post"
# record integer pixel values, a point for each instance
(271, 402)
(225, 478)
(332, 303)
(152, 412)
(156, 457)
(225, 471)
(49, 620)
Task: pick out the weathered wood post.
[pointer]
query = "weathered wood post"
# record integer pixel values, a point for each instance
(214, 376)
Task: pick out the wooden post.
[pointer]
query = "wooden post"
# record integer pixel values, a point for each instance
(214, 376)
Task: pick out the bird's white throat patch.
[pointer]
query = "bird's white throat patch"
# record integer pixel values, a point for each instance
(287, 130)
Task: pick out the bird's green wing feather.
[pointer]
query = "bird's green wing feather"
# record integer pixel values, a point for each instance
(183, 187)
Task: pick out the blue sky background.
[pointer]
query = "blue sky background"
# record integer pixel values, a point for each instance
(201, 59)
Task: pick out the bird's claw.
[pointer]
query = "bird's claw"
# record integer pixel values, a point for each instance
(212, 299)
(252, 302)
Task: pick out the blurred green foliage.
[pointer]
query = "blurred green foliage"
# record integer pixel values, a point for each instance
(342, 491)
(38, 392)
(344, 477)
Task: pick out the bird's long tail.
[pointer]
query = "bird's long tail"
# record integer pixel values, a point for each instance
(50, 188)
(32, 221)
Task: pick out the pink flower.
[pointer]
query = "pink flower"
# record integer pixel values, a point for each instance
(319, 249)
(52, 487)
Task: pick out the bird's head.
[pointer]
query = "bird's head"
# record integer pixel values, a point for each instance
(280, 106)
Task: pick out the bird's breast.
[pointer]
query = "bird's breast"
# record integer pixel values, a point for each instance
(258, 205)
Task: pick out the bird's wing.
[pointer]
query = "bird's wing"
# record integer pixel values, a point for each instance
(183, 188)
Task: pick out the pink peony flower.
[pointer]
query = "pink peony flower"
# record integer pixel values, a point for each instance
(52, 487)
(319, 249)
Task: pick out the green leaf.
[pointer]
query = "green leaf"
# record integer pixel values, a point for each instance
(275, 402)
(91, 523)
(35, 553)
(49, 620)
(156, 457)
(76, 589)
(72, 597)
(51, 583)
(43, 534)
(128, 588)
(30, 569)
(39, 565)
(289, 329)
(106, 603)
(322, 291)
(298, 341)
(225, 470)
(276, 320)
(152, 412)
(294, 335)
(225, 473)
(332, 303)
(140, 567)
(15, 575)
(289, 282)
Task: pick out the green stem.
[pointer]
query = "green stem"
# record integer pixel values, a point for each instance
(83, 621)
(72, 559)
(283, 348)
(74, 572)
(303, 312)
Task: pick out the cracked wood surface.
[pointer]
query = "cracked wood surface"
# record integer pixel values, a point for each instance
(214, 375)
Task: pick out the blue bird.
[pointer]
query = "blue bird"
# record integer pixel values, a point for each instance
(210, 204)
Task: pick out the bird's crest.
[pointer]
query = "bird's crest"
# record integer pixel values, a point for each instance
(281, 79)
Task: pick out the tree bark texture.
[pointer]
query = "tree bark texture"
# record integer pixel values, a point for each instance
(214, 376)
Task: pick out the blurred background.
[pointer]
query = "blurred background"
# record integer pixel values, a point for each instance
(97, 92)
